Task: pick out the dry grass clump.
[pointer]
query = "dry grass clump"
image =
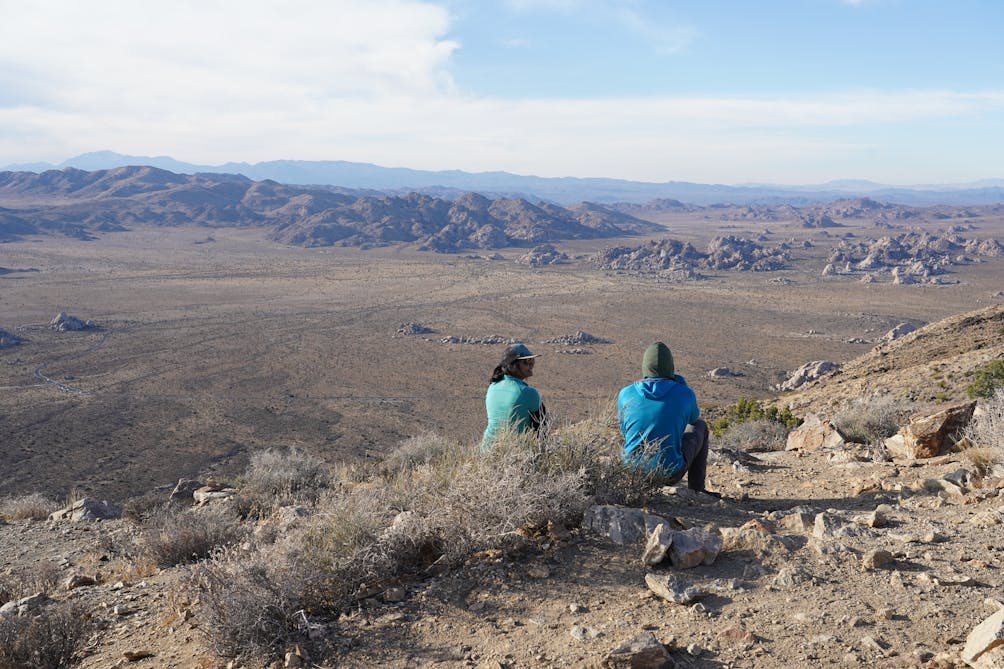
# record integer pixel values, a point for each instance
(248, 602)
(418, 451)
(432, 499)
(41, 577)
(986, 434)
(755, 436)
(867, 420)
(180, 537)
(27, 507)
(50, 638)
(277, 478)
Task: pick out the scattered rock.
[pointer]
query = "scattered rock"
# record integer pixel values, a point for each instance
(686, 548)
(674, 589)
(899, 331)
(722, 373)
(639, 652)
(413, 329)
(622, 525)
(814, 434)
(930, 432)
(875, 558)
(63, 322)
(580, 338)
(984, 639)
(184, 490)
(87, 509)
(808, 372)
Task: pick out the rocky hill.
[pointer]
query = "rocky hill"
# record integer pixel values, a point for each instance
(671, 255)
(929, 365)
(83, 204)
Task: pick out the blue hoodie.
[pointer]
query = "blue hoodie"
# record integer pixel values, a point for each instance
(656, 412)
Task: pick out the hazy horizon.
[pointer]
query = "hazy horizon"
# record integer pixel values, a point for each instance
(789, 93)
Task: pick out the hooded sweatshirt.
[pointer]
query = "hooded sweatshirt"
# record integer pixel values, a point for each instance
(654, 412)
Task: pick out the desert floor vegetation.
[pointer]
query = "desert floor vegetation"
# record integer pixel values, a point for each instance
(432, 501)
(869, 420)
(33, 506)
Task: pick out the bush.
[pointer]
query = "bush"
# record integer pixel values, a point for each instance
(49, 639)
(249, 607)
(40, 577)
(868, 420)
(755, 436)
(27, 507)
(188, 536)
(280, 478)
(986, 433)
(987, 380)
(748, 409)
(432, 498)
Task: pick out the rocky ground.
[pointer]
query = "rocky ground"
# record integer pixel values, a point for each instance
(837, 562)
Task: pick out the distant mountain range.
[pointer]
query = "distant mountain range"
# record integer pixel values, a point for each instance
(561, 190)
(81, 204)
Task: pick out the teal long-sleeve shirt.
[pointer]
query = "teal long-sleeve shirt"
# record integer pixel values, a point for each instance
(509, 402)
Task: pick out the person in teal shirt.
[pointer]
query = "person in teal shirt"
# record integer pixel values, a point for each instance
(660, 420)
(510, 402)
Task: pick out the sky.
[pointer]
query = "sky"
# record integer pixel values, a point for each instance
(901, 92)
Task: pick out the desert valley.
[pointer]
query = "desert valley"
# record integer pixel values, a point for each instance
(219, 318)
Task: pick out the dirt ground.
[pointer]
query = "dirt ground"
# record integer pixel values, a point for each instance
(208, 351)
(788, 598)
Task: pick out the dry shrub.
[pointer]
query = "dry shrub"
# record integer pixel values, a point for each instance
(249, 608)
(27, 507)
(48, 639)
(277, 478)
(39, 577)
(419, 451)
(755, 436)
(432, 498)
(175, 537)
(509, 487)
(141, 508)
(867, 420)
(986, 433)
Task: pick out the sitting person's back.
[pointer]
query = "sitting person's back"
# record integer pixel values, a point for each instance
(660, 420)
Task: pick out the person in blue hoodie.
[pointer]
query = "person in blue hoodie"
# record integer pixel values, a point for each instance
(661, 423)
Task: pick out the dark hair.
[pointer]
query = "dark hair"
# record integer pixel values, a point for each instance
(504, 368)
(509, 362)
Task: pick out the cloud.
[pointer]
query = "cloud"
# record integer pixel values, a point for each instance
(223, 54)
(369, 81)
(629, 15)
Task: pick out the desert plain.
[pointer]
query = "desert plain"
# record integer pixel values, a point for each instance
(214, 343)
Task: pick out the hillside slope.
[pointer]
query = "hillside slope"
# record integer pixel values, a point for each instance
(932, 364)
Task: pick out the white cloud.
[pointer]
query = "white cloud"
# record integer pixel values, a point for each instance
(368, 80)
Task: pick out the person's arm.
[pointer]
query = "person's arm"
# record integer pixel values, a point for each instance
(537, 417)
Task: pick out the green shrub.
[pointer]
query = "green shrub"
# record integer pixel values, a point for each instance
(987, 380)
(748, 409)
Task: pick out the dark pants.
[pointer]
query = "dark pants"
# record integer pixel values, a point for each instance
(695, 456)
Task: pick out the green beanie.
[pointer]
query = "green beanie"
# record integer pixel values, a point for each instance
(657, 362)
